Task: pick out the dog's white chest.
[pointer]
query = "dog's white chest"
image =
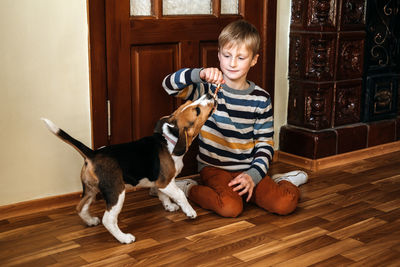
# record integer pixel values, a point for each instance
(178, 164)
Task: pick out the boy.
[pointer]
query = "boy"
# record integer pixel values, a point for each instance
(236, 142)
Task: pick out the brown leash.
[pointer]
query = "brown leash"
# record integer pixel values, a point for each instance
(216, 90)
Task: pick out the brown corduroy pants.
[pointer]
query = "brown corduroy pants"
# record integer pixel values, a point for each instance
(215, 194)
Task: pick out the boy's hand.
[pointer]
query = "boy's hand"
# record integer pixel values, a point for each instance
(212, 75)
(244, 184)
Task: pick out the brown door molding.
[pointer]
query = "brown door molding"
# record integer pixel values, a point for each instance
(98, 72)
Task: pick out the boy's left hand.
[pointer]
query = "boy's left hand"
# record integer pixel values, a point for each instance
(244, 184)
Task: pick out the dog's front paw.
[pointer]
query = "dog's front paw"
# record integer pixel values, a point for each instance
(126, 238)
(191, 213)
(171, 207)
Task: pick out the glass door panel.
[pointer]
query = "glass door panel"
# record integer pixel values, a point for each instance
(229, 7)
(141, 7)
(183, 7)
(187, 7)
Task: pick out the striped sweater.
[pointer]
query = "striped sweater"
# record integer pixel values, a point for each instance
(239, 134)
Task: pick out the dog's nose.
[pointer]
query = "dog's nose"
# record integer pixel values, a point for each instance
(210, 99)
(209, 96)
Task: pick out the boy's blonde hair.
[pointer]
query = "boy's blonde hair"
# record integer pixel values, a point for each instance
(240, 32)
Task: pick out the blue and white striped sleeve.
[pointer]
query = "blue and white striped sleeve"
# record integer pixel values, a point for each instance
(185, 83)
(264, 144)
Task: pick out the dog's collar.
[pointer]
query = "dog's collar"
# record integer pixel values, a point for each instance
(170, 139)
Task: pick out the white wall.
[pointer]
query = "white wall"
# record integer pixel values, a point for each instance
(281, 67)
(43, 73)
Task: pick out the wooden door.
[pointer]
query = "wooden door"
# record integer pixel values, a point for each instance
(130, 56)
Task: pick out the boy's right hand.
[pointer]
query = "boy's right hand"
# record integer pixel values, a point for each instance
(212, 75)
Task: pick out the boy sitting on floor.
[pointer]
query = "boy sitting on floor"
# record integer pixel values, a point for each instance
(236, 142)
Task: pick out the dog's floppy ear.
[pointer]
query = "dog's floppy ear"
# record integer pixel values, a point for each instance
(182, 143)
(181, 135)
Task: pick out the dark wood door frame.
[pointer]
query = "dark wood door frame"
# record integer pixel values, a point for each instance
(98, 61)
(98, 71)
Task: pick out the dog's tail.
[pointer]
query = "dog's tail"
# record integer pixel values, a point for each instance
(85, 151)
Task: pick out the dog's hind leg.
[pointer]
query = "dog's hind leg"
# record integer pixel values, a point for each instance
(84, 211)
(90, 189)
(110, 221)
(177, 195)
(166, 201)
(84, 205)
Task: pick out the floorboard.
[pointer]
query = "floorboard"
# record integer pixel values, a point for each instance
(347, 216)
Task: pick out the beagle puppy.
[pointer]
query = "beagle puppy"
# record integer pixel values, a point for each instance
(153, 161)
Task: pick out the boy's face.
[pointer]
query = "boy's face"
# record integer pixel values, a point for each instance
(235, 62)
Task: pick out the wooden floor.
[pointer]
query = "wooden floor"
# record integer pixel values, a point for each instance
(348, 216)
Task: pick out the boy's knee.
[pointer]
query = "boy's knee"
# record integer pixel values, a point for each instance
(230, 208)
(286, 205)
